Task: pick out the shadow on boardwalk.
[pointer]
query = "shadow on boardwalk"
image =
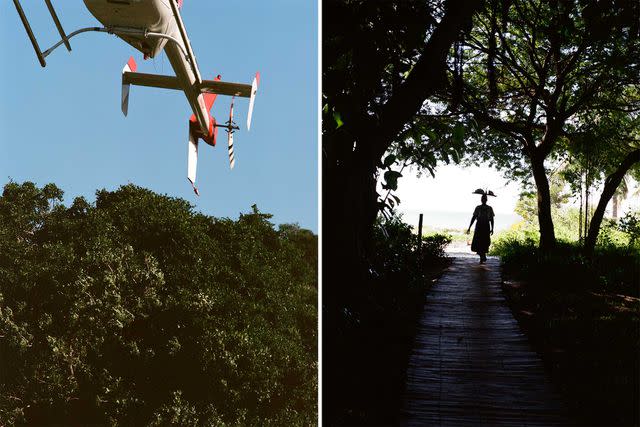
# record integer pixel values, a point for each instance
(471, 364)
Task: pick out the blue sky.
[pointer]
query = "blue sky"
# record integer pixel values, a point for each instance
(63, 123)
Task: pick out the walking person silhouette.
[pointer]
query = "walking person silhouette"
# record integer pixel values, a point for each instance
(483, 215)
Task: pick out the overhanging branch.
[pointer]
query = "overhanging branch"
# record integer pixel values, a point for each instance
(427, 75)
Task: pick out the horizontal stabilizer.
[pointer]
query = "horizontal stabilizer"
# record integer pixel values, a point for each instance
(151, 80)
(171, 82)
(210, 98)
(226, 88)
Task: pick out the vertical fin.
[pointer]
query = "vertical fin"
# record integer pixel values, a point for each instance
(192, 160)
(124, 103)
(254, 90)
(129, 67)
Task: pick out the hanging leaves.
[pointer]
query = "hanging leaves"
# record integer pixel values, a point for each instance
(391, 180)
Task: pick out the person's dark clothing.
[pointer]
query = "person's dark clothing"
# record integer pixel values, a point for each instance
(481, 239)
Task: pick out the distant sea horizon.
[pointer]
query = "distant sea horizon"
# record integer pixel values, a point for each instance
(441, 220)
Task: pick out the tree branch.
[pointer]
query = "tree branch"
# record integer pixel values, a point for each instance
(586, 95)
(611, 183)
(426, 77)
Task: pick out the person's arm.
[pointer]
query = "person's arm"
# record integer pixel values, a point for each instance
(491, 221)
(473, 218)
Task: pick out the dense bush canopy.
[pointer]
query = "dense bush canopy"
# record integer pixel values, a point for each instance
(136, 310)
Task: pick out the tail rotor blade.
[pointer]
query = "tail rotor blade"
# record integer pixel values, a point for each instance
(192, 161)
(232, 160)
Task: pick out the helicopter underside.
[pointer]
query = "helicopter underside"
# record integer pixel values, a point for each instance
(151, 15)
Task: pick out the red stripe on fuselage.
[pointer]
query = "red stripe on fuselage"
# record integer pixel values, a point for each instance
(209, 99)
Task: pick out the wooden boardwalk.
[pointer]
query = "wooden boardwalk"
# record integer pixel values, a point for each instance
(471, 365)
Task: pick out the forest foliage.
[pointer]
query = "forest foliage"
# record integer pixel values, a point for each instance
(137, 310)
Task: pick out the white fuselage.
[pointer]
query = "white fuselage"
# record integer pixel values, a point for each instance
(155, 16)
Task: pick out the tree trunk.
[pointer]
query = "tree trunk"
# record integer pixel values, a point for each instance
(587, 189)
(610, 185)
(614, 208)
(351, 155)
(349, 211)
(580, 214)
(547, 233)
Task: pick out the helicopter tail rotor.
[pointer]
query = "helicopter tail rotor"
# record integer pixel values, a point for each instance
(230, 130)
(232, 160)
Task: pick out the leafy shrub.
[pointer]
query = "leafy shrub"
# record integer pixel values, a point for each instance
(613, 266)
(433, 246)
(610, 235)
(581, 305)
(396, 257)
(630, 225)
(393, 247)
(139, 311)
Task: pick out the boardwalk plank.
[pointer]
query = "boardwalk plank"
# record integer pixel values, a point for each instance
(471, 365)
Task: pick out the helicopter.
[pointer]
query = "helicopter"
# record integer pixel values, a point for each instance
(152, 27)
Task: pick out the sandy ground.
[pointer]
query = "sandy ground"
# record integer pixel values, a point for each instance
(462, 250)
(458, 247)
